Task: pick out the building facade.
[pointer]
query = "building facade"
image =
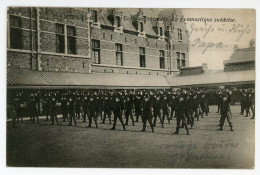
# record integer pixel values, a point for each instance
(97, 40)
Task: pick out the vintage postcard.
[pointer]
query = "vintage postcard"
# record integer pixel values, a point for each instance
(130, 87)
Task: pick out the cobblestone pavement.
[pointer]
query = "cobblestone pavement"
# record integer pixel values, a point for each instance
(45, 145)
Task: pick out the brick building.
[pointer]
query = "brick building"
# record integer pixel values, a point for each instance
(147, 42)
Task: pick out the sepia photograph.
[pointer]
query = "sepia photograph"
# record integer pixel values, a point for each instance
(105, 87)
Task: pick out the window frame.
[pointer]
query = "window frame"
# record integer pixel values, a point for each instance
(142, 57)
(119, 51)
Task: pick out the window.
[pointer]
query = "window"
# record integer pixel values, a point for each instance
(179, 34)
(141, 26)
(71, 39)
(142, 56)
(160, 31)
(119, 55)
(15, 32)
(60, 38)
(118, 21)
(183, 59)
(178, 60)
(162, 63)
(96, 51)
(95, 16)
(181, 62)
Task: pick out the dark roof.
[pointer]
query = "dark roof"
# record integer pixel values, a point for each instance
(29, 78)
(212, 78)
(242, 55)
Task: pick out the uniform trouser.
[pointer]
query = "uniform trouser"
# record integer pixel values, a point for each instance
(157, 113)
(19, 115)
(47, 112)
(85, 114)
(172, 111)
(77, 113)
(90, 117)
(65, 115)
(190, 119)
(219, 107)
(72, 116)
(33, 115)
(127, 114)
(248, 109)
(242, 107)
(149, 118)
(223, 118)
(165, 113)
(138, 113)
(107, 113)
(196, 113)
(181, 117)
(119, 116)
(54, 117)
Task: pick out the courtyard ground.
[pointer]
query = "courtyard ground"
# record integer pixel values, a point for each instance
(45, 145)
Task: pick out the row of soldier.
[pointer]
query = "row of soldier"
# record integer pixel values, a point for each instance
(149, 105)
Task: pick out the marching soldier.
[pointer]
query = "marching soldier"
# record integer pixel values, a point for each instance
(78, 107)
(129, 110)
(181, 109)
(85, 107)
(33, 108)
(64, 108)
(71, 109)
(92, 111)
(174, 102)
(225, 111)
(118, 107)
(53, 111)
(147, 113)
(157, 109)
(138, 107)
(165, 109)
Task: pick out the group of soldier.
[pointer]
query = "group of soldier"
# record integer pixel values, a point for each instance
(149, 105)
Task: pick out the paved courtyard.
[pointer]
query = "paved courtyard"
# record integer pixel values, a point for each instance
(45, 145)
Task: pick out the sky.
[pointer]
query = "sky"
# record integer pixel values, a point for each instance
(212, 41)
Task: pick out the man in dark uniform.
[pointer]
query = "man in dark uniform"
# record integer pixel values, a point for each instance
(138, 107)
(242, 101)
(165, 109)
(78, 106)
(53, 111)
(33, 108)
(249, 103)
(225, 110)
(147, 113)
(129, 109)
(118, 107)
(85, 107)
(181, 109)
(17, 107)
(64, 108)
(107, 108)
(173, 102)
(47, 105)
(92, 111)
(157, 107)
(196, 106)
(189, 111)
(71, 109)
(204, 104)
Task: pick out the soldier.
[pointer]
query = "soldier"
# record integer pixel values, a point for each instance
(138, 107)
(225, 110)
(242, 101)
(173, 103)
(11, 113)
(204, 104)
(147, 113)
(107, 109)
(92, 111)
(33, 108)
(71, 109)
(165, 109)
(118, 107)
(78, 107)
(47, 105)
(53, 111)
(17, 107)
(64, 108)
(249, 103)
(189, 111)
(157, 107)
(219, 100)
(181, 108)
(85, 107)
(129, 109)
(196, 106)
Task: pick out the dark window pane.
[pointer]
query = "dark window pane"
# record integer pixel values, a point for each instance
(71, 45)
(15, 38)
(60, 28)
(142, 61)
(60, 47)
